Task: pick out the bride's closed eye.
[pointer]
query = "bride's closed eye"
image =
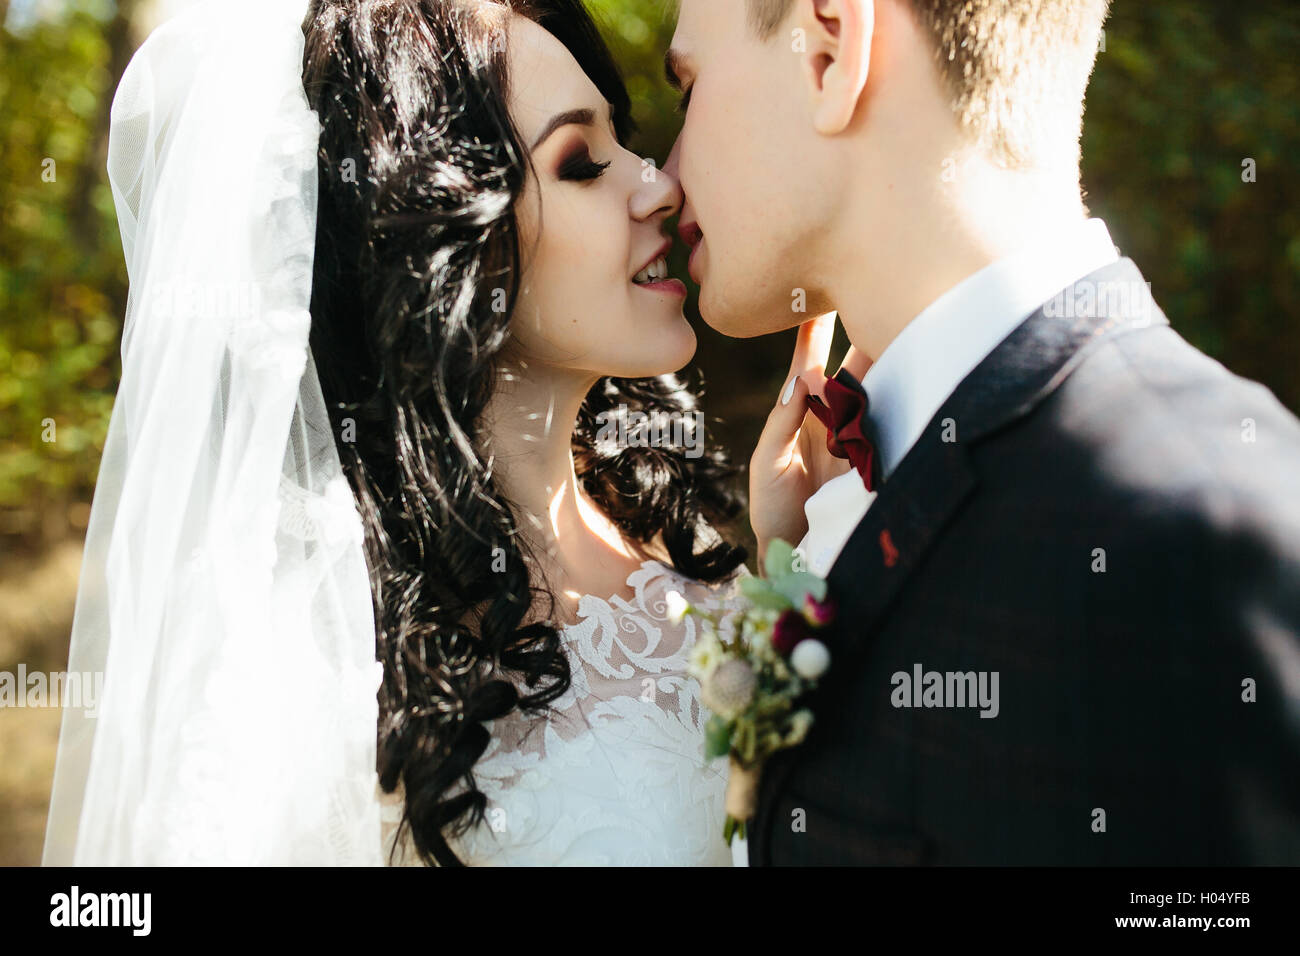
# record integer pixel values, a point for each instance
(578, 166)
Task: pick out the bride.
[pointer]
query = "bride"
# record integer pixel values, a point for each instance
(377, 567)
(487, 294)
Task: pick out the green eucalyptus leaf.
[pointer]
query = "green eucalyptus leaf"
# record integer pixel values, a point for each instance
(761, 594)
(797, 585)
(779, 559)
(717, 738)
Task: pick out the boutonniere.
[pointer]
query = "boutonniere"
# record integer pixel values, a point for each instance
(753, 673)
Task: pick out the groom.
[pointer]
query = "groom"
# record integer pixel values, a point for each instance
(1068, 605)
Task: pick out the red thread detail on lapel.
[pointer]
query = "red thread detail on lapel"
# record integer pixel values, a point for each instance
(887, 549)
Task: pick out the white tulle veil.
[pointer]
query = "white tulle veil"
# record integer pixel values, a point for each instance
(224, 593)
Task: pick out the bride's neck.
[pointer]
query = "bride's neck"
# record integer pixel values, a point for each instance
(530, 422)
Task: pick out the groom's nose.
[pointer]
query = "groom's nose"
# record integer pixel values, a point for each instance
(674, 160)
(686, 226)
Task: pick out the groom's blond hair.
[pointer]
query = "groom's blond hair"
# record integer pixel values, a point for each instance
(1016, 70)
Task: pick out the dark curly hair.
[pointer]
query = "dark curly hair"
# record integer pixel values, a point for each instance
(420, 167)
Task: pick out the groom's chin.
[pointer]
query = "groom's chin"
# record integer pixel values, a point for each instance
(742, 319)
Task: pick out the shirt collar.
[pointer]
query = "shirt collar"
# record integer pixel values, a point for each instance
(920, 368)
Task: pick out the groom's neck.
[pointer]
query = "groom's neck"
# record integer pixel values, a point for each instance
(896, 256)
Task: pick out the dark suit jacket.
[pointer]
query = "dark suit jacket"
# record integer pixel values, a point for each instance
(1122, 736)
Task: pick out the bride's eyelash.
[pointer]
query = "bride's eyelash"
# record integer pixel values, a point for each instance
(580, 167)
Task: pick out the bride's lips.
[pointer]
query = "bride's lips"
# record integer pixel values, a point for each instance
(669, 285)
(692, 235)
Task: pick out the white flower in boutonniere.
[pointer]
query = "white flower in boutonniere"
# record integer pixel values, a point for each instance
(705, 656)
(753, 678)
(810, 659)
(677, 606)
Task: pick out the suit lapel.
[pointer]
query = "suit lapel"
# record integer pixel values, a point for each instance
(935, 479)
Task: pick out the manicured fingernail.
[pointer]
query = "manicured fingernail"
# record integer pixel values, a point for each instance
(789, 391)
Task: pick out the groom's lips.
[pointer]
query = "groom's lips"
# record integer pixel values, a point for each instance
(692, 235)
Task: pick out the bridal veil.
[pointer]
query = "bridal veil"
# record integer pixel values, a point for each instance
(224, 592)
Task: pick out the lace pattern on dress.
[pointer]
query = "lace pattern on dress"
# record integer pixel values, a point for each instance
(615, 774)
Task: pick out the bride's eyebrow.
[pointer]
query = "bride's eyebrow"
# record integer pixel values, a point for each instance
(579, 117)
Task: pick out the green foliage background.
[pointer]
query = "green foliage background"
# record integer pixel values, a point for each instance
(1184, 92)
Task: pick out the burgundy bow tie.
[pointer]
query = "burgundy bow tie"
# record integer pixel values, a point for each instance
(844, 415)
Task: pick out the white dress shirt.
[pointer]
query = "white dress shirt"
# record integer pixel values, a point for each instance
(923, 366)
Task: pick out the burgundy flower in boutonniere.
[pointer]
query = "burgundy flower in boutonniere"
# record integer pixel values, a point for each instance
(790, 628)
(818, 613)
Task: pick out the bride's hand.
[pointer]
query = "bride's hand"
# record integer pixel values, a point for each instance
(790, 461)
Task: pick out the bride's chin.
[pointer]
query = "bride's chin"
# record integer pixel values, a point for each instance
(664, 351)
(657, 334)
(682, 348)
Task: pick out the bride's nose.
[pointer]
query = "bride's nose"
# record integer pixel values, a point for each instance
(659, 193)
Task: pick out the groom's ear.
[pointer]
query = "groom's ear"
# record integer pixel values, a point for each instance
(836, 53)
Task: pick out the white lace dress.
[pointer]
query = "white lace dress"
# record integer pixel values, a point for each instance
(616, 776)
